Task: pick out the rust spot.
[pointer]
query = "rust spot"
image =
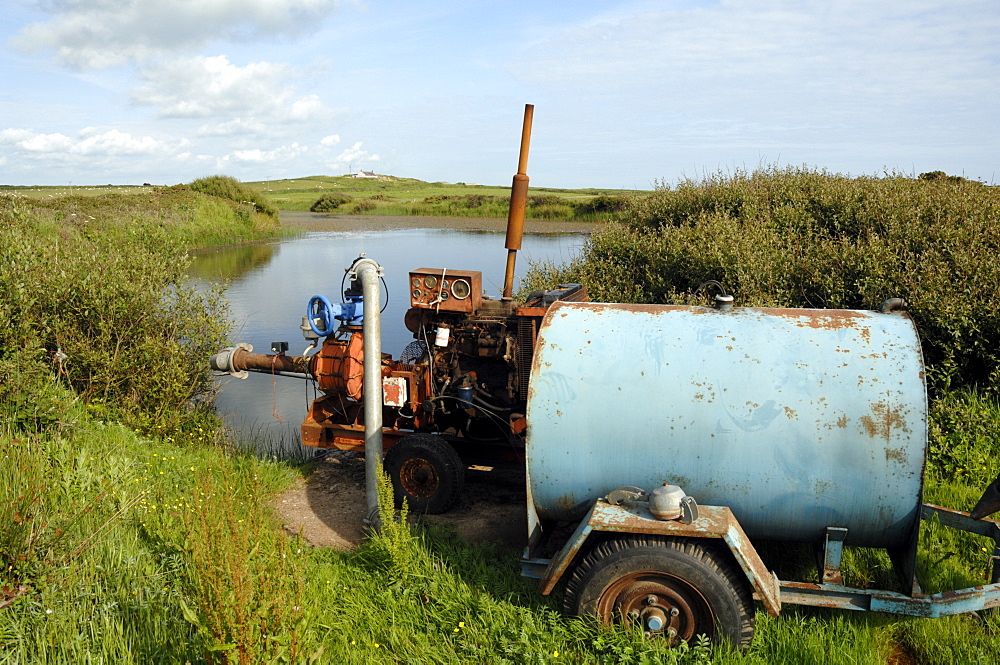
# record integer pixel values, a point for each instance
(821, 319)
(896, 454)
(882, 421)
(790, 413)
(566, 502)
(842, 421)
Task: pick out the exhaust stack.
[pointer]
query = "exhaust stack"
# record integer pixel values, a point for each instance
(518, 203)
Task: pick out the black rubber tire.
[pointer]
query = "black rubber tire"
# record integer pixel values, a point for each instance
(623, 574)
(426, 472)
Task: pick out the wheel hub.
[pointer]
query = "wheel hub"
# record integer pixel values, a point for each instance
(660, 604)
(419, 478)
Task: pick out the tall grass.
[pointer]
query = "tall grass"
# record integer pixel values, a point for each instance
(159, 545)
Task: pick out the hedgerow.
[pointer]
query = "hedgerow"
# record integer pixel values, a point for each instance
(808, 238)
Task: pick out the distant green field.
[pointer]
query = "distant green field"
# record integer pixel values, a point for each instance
(46, 191)
(391, 195)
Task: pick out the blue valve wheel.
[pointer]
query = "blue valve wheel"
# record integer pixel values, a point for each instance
(320, 309)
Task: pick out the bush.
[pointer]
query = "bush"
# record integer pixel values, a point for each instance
(602, 204)
(330, 202)
(227, 187)
(362, 207)
(102, 304)
(802, 238)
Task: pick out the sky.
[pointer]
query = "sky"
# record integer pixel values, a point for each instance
(632, 94)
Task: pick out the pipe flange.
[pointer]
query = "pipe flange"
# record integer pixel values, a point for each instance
(223, 360)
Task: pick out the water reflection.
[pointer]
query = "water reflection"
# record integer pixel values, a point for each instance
(269, 286)
(231, 263)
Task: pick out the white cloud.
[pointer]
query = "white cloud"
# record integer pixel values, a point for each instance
(355, 154)
(203, 87)
(285, 153)
(114, 142)
(95, 34)
(233, 127)
(118, 153)
(89, 142)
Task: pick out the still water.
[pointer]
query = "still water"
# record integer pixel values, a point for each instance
(270, 285)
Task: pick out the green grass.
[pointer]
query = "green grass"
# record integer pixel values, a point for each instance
(164, 549)
(390, 195)
(159, 545)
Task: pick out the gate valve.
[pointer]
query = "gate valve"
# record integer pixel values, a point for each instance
(321, 313)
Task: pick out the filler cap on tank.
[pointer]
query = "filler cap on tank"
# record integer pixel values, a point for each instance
(666, 502)
(669, 502)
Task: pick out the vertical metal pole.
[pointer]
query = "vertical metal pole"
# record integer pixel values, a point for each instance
(518, 203)
(368, 271)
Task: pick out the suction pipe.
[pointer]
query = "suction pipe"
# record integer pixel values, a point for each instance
(369, 272)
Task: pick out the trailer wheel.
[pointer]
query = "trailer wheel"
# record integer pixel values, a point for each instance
(426, 472)
(671, 587)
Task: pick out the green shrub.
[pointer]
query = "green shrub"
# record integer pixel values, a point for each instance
(803, 238)
(101, 302)
(602, 204)
(362, 207)
(539, 200)
(227, 187)
(330, 202)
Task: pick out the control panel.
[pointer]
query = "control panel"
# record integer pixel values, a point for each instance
(445, 290)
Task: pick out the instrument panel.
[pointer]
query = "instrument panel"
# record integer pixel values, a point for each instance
(446, 290)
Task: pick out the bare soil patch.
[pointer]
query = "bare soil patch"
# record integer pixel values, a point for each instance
(328, 506)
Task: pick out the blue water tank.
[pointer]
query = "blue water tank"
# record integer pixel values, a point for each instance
(797, 419)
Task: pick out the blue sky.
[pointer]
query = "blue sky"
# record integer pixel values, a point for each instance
(626, 94)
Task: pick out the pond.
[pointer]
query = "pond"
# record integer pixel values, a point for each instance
(270, 284)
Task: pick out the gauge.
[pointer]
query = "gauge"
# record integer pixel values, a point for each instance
(444, 296)
(430, 281)
(415, 281)
(417, 293)
(461, 289)
(445, 284)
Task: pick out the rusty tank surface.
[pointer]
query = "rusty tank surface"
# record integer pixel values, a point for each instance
(796, 419)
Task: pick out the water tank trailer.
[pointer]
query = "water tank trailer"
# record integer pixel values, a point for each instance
(661, 443)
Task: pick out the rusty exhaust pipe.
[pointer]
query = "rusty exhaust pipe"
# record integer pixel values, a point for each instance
(518, 203)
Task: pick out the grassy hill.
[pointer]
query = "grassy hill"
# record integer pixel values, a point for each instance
(391, 195)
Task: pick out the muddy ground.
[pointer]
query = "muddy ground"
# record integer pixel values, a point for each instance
(328, 506)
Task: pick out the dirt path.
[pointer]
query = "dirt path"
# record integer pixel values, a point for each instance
(328, 506)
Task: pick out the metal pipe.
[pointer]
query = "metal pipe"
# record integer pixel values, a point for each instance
(240, 358)
(369, 272)
(518, 204)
